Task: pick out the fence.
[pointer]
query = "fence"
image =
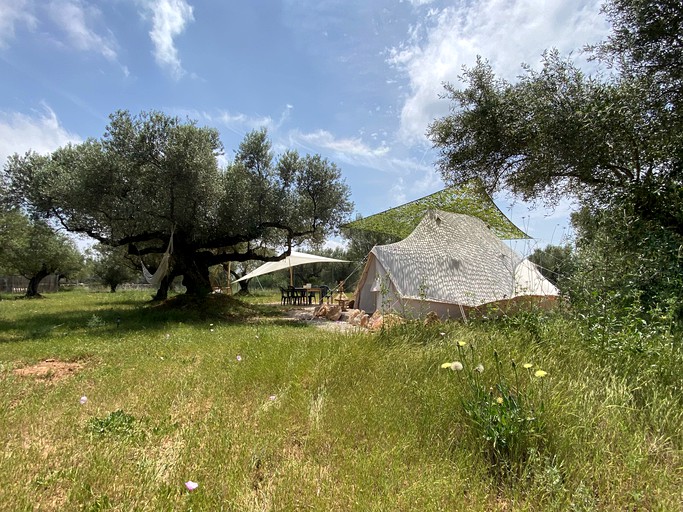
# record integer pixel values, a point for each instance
(19, 284)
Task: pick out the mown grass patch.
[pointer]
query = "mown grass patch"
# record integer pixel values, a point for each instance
(270, 416)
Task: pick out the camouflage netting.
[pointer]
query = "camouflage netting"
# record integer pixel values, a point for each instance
(469, 199)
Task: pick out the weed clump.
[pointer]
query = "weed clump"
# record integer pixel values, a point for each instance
(505, 413)
(117, 423)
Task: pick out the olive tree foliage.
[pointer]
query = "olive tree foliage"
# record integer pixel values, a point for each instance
(151, 175)
(612, 140)
(647, 41)
(32, 249)
(556, 132)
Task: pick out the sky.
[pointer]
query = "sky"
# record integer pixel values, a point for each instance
(356, 81)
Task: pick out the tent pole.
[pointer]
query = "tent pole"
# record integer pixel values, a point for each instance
(291, 276)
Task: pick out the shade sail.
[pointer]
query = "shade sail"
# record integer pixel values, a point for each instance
(294, 259)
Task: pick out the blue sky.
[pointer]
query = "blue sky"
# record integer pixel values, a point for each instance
(357, 81)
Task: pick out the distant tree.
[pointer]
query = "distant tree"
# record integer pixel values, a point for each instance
(113, 266)
(360, 242)
(557, 263)
(152, 175)
(31, 248)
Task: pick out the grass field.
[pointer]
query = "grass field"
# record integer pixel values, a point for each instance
(136, 400)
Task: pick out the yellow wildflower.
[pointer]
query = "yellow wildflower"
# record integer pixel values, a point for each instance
(499, 400)
(528, 365)
(446, 365)
(540, 374)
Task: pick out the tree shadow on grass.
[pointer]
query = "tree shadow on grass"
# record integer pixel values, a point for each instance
(118, 317)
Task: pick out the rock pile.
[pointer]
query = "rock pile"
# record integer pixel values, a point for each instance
(357, 317)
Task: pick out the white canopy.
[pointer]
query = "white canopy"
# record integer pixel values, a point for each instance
(294, 259)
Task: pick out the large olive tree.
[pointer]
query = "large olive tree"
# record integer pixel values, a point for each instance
(151, 175)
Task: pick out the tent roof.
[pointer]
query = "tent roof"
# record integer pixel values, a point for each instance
(457, 259)
(294, 259)
(469, 199)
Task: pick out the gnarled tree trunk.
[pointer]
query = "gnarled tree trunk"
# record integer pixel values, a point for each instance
(162, 291)
(196, 280)
(32, 289)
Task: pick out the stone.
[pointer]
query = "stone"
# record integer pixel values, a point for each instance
(321, 311)
(431, 318)
(334, 313)
(352, 314)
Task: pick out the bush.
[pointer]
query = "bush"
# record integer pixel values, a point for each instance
(505, 412)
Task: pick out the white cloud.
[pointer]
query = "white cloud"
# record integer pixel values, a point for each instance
(354, 151)
(506, 32)
(397, 192)
(41, 132)
(242, 122)
(349, 147)
(169, 19)
(76, 19)
(13, 12)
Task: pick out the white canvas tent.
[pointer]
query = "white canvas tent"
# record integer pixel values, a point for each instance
(450, 264)
(294, 259)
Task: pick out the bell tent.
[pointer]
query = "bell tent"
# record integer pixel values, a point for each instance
(450, 264)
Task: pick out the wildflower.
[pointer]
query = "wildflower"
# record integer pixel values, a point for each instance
(210, 330)
(456, 366)
(540, 374)
(528, 365)
(462, 343)
(479, 368)
(499, 400)
(191, 486)
(446, 365)
(84, 399)
(239, 358)
(272, 397)
(442, 333)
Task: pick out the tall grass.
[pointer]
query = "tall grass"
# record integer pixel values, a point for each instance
(265, 414)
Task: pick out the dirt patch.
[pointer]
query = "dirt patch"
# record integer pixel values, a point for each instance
(51, 370)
